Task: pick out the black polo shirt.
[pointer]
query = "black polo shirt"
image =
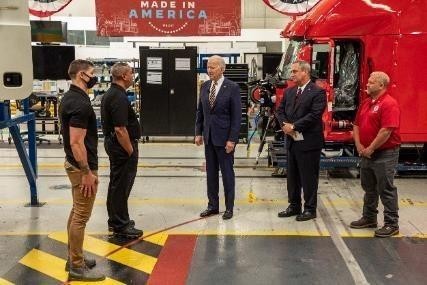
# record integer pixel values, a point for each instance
(76, 111)
(116, 111)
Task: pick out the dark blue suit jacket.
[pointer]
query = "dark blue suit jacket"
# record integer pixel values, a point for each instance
(306, 115)
(222, 122)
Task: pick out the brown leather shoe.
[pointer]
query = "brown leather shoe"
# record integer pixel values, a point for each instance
(363, 223)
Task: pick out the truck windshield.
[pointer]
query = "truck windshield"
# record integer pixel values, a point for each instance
(288, 58)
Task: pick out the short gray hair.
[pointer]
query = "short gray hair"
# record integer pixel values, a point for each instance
(119, 69)
(218, 59)
(303, 65)
(382, 77)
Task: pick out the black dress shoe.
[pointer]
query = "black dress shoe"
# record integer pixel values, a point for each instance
(209, 212)
(305, 216)
(130, 232)
(131, 223)
(289, 212)
(228, 214)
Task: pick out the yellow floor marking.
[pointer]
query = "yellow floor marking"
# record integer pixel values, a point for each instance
(153, 201)
(364, 235)
(349, 202)
(96, 246)
(134, 259)
(251, 197)
(159, 239)
(5, 282)
(107, 281)
(252, 200)
(124, 256)
(53, 266)
(45, 263)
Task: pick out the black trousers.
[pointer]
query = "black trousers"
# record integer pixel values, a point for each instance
(303, 174)
(376, 177)
(122, 177)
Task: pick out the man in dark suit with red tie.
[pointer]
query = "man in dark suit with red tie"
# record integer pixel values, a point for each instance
(301, 115)
(218, 118)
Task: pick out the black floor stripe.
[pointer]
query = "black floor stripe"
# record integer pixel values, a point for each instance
(21, 274)
(121, 272)
(143, 246)
(60, 249)
(110, 268)
(13, 248)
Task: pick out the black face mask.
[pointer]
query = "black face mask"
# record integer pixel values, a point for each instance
(92, 81)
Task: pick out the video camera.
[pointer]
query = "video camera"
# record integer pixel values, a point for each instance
(263, 91)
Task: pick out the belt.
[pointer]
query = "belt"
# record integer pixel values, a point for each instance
(387, 149)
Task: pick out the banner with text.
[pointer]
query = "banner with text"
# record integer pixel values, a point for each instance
(168, 18)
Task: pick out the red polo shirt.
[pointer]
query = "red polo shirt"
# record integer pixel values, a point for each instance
(373, 115)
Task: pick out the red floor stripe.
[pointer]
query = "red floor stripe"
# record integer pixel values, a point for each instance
(174, 262)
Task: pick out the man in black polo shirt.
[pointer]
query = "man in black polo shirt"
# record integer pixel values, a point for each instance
(78, 126)
(122, 131)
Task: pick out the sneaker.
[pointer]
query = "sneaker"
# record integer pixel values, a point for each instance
(363, 223)
(131, 223)
(89, 262)
(387, 231)
(85, 274)
(129, 232)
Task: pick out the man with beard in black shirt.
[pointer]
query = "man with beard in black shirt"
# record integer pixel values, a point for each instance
(122, 131)
(78, 126)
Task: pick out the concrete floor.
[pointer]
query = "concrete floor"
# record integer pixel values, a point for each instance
(255, 247)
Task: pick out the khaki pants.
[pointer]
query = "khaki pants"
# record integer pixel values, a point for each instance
(79, 216)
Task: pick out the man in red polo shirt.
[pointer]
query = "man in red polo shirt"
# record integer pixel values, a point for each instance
(377, 139)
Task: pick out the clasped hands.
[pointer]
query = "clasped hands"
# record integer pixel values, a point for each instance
(365, 152)
(287, 129)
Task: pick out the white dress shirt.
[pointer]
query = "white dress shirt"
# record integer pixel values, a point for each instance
(218, 85)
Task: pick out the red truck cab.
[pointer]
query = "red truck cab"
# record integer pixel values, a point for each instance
(347, 40)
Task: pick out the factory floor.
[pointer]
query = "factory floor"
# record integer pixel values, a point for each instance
(178, 247)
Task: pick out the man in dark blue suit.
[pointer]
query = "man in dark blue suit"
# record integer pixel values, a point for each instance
(301, 115)
(218, 117)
